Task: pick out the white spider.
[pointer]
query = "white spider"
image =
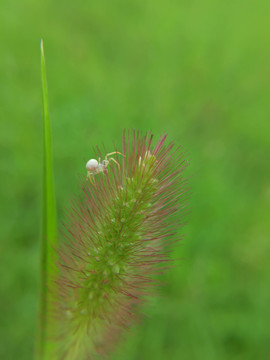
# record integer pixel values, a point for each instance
(94, 167)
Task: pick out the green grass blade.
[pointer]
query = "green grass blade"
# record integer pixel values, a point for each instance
(49, 220)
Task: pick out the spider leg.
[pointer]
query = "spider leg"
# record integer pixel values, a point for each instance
(89, 175)
(112, 153)
(117, 163)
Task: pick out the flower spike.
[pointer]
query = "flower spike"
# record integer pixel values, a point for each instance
(114, 239)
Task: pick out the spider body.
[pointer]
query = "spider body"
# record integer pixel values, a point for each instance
(94, 166)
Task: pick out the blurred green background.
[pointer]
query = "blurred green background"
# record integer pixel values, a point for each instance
(198, 70)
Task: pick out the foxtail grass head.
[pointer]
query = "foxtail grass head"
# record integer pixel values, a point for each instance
(114, 239)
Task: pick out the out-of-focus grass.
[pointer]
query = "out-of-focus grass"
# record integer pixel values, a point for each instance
(196, 69)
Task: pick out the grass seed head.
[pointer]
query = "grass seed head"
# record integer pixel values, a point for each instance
(114, 240)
